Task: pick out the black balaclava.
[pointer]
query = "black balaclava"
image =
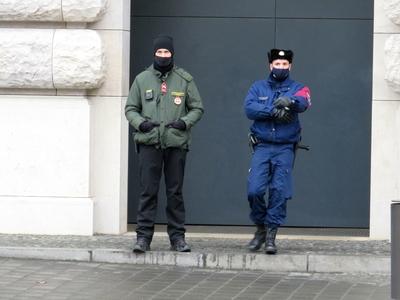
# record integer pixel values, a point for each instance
(163, 64)
(279, 74)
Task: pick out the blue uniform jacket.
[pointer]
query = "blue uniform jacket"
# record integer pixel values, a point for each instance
(259, 105)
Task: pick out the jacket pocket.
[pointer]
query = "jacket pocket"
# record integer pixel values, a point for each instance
(148, 138)
(177, 138)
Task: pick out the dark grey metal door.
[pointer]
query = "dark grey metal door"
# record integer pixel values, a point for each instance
(223, 44)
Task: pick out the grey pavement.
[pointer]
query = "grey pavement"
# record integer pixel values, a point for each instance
(47, 279)
(296, 254)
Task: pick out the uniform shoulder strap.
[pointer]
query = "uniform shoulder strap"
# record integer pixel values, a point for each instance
(182, 73)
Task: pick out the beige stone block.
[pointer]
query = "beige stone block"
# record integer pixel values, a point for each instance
(381, 89)
(52, 10)
(83, 11)
(382, 23)
(78, 59)
(117, 51)
(392, 62)
(26, 58)
(392, 10)
(30, 10)
(47, 59)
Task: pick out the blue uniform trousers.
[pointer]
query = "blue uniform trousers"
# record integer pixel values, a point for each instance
(271, 169)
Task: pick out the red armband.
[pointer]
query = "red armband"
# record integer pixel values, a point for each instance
(305, 93)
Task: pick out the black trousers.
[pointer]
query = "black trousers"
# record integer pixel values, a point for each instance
(152, 162)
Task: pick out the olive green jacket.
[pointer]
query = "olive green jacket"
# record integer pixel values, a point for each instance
(147, 102)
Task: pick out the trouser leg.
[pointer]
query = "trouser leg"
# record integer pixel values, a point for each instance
(150, 168)
(280, 191)
(258, 178)
(281, 185)
(174, 170)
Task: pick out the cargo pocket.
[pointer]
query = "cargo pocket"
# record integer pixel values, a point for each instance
(288, 192)
(148, 138)
(281, 181)
(176, 138)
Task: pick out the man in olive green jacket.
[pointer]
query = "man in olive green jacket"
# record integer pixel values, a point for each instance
(163, 105)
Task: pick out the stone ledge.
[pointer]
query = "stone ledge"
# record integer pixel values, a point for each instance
(47, 253)
(228, 261)
(278, 263)
(348, 263)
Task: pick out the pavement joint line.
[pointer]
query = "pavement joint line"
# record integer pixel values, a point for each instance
(270, 290)
(168, 286)
(145, 283)
(248, 285)
(195, 286)
(221, 287)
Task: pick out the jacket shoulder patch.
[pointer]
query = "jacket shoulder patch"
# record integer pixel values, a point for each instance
(185, 75)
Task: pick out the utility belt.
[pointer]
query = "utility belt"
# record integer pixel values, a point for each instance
(254, 141)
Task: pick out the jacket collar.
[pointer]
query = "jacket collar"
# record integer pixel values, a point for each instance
(158, 73)
(277, 84)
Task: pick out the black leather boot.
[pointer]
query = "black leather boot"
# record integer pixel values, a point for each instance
(180, 245)
(142, 245)
(270, 247)
(259, 238)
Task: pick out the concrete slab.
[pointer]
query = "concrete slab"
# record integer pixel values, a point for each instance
(46, 253)
(349, 263)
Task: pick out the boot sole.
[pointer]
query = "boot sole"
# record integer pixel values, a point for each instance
(140, 251)
(186, 250)
(255, 249)
(258, 247)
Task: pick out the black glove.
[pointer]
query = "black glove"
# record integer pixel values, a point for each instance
(146, 126)
(283, 115)
(283, 101)
(178, 124)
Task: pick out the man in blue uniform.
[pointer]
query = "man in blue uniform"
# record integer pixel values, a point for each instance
(273, 104)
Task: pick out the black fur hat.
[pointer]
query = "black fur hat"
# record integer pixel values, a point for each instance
(280, 54)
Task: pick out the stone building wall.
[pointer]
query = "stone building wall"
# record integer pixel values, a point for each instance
(63, 84)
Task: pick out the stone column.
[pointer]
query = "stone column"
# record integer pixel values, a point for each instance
(385, 154)
(109, 155)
